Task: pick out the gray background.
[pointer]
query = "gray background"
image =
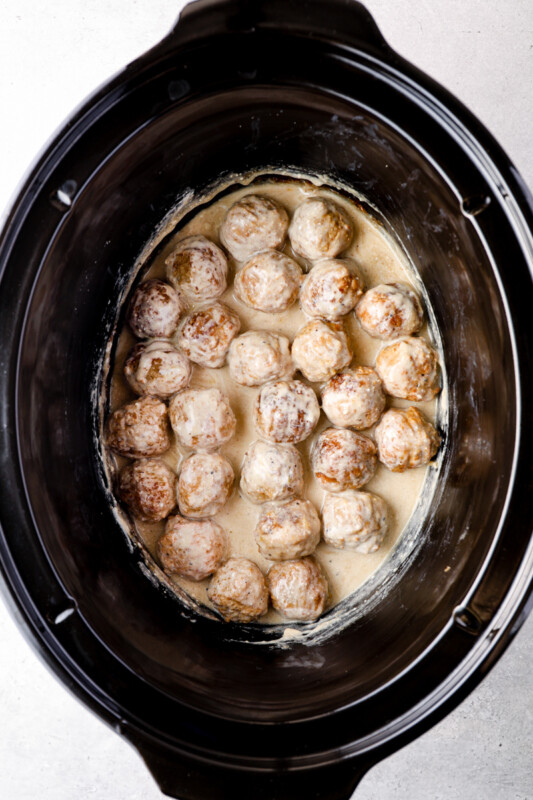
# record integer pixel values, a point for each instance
(51, 56)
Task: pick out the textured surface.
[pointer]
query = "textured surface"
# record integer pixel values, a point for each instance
(51, 56)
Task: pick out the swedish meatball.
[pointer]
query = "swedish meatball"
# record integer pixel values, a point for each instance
(320, 349)
(198, 268)
(299, 589)
(389, 311)
(286, 411)
(157, 368)
(409, 369)
(139, 428)
(271, 472)
(148, 487)
(331, 289)
(354, 399)
(355, 522)
(320, 229)
(155, 309)
(343, 459)
(253, 223)
(256, 357)
(202, 418)
(291, 530)
(238, 591)
(193, 549)
(205, 335)
(205, 483)
(406, 439)
(269, 282)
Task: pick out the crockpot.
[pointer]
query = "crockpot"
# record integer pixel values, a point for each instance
(214, 709)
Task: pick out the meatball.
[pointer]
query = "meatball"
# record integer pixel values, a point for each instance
(238, 591)
(157, 368)
(320, 229)
(148, 487)
(343, 459)
(331, 289)
(288, 531)
(139, 428)
(286, 411)
(355, 522)
(154, 310)
(193, 549)
(254, 223)
(299, 589)
(256, 357)
(205, 483)
(198, 268)
(202, 418)
(354, 399)
(206, 334)
(320, 349)
(409, 369)
(389, 311)
(269, 282)
(406, 439)
(271, 472)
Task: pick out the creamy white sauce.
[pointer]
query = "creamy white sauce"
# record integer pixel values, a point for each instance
(379, 261)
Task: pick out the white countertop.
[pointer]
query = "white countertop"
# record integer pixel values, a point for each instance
(51, 56)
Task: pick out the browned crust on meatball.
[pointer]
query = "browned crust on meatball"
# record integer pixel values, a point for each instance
(206, 334)
(193, 549)
(238, 591)
(155, 309)
(148, 487)
(291, 423)
(244, 230)
(406, 439)
(204, 485)
(298, 588)
(195, 259)
(343, 459)
(139, 428)
(367, 390)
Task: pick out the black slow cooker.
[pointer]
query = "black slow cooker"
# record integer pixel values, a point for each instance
(240, 86)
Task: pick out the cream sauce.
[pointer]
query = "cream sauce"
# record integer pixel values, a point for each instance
(380, 260)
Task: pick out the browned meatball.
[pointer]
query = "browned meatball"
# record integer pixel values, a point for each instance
(406, 439)
(286, 411)
(355, 522)
(291, 530)
(269, 282)
(389, 311)
(157, 368)
(331, 289)
(205, 483)
(320, 349)
(409, 369)
(256, 357)
(205, 335)
(148, 487)
(253, 223)
(238, 591)
(271, 472)
(320, 229)
(198, 268)
(354, 399)
(299, 589)
(139, 428)
(193, 549)
(343, 459)
(202, 418)
(154, 310)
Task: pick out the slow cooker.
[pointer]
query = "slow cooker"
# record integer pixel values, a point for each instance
(311, 87)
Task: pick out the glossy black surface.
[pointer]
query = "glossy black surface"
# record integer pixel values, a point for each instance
(293, 86)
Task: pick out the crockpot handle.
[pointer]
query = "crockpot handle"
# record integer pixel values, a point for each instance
(184, 778)
(343, 21)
